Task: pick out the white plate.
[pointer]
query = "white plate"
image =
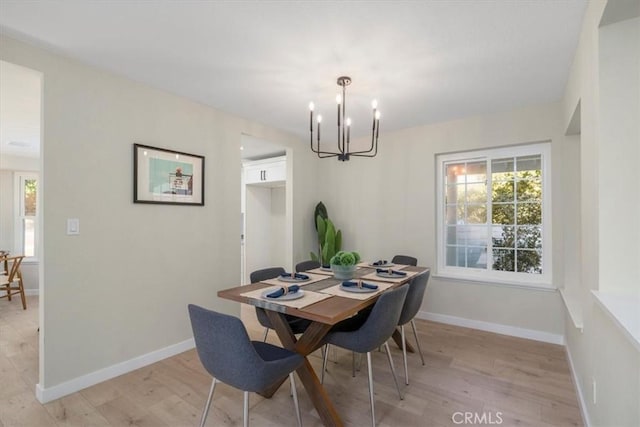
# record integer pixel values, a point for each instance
(293, 280)
(356, 289)
(287, 297)
(391, 276)
(387, 265)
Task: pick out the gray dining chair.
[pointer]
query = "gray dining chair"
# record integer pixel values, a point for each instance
(373, 333)
(307, 265)
(405, 260)
(227, 353)
(296, 324)
(417, 287)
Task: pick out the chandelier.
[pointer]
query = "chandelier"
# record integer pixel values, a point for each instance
(343, 151)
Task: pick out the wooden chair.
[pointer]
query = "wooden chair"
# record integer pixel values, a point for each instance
(11, 282)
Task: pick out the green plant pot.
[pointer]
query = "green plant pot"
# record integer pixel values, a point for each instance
(343, 272)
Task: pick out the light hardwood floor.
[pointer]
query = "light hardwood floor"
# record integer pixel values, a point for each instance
(518, 381)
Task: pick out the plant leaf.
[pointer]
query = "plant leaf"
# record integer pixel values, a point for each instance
(338, 243)
(321, 226)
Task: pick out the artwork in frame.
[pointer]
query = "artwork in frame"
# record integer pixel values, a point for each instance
(167, 177)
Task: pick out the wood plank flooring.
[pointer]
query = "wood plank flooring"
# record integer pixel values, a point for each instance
(521, 382)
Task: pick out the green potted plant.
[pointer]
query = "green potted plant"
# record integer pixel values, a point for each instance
(343, 264)
(329, 239)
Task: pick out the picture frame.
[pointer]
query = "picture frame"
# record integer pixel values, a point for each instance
(168, 177)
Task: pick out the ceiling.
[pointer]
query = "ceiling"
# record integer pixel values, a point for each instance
(424, 61)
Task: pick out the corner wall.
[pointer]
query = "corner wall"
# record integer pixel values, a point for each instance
(386, 206)
(605, 358)
(119, 290)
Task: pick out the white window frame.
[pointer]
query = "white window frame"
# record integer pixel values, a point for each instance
(487, 275)
(18, 186)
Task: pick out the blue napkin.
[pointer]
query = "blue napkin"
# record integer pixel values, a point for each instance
(283, 290)
(379, 262)
(390, 271)
(349, 284)
(298, 276)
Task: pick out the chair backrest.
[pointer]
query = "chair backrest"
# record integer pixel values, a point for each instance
(266, 274)
(13, 268)
(405, 260)
(412, 303)
(307, 265)
(381, 323)
(224, 348)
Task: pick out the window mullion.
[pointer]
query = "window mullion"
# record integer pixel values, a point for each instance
(489, 216)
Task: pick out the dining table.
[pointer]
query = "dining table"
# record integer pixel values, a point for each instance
(324, 303)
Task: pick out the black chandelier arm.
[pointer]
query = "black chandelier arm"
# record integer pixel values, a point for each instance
(366, 153)
(320, 152)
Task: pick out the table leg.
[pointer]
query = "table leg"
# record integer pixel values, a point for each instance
(397, 337)
(308, 342)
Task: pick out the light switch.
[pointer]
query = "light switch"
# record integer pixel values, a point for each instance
(73, 226)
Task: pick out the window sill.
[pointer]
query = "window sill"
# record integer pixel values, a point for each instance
(545, 287)
(574, 308)
(624, 310)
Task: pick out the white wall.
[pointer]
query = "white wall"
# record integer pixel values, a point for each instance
(619, 156)
(604, 80)
(278, 217)
(123, 284)
(266, 237)
(388, 207)
(7, 223)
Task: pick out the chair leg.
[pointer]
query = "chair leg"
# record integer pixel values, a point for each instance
(324, 362)
(295, 399)
(393, 371)
(370, 376)
(404, 355)
(21, 286)
(415, 334)
(207, 405)
(353, 364)
(266, 332)
(245, 412)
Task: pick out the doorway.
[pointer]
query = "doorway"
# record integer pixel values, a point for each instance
(266, 206)
(20, 214)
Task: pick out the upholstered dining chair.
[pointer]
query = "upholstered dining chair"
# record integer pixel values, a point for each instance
(405, 260)
(307, 265)
(412, 303)
(227, 353)
(11, 279)
(373, 333)
(297, 324)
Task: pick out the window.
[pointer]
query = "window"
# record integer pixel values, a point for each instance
(494, 221)
(26, 214)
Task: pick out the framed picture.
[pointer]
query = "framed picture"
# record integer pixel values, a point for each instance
(167, 177)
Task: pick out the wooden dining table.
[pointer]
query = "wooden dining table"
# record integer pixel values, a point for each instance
(323, 314)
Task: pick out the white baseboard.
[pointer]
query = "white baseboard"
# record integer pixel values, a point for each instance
(581, 402)
(498, 328)
(48, 394)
